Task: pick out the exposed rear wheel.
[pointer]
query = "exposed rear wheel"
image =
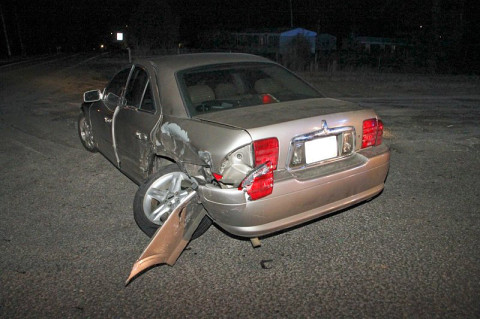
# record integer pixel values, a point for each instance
(159, 196)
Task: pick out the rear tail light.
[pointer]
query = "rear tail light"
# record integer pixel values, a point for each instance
(266, 150)
(372, 132)
(261, 186)
(259, 183)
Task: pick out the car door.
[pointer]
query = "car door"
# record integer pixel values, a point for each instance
(133, 124)
(101, 114)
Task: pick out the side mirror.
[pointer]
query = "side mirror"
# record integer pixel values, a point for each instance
(92, 96)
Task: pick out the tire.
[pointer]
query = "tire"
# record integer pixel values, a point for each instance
(169, 185)
(85, 134)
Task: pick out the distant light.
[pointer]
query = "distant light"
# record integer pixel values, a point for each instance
(421, 27)
(102, 46)
(119, 36)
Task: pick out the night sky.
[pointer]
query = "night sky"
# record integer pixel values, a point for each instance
(43, 25)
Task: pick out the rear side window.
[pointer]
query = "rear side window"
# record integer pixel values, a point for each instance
(147, 102)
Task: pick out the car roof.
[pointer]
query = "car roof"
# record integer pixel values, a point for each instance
(179, 62)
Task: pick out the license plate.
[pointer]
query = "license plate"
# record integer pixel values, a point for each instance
(320, 149)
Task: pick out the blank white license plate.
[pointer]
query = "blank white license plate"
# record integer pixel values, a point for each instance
(320, 149)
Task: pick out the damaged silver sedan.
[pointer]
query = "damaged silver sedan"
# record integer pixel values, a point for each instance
(232, 139)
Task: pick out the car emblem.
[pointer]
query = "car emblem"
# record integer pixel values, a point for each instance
(324, 126)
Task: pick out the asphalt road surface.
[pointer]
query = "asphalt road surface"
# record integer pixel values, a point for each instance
(68, 239)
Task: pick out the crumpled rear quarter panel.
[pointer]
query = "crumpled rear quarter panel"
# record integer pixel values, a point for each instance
(185, 140)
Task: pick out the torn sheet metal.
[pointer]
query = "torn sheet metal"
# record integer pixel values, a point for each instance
(169, 241)
(177, 144)
(172, 129)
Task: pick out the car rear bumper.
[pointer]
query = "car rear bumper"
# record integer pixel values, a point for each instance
(298, 197)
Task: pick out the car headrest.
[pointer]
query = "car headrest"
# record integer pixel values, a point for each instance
(200, 93)
(224, 90)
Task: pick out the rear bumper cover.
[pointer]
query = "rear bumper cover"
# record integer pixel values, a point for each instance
(299, 197)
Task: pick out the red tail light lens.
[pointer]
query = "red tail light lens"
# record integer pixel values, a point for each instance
(259, 183)
(372, 132)
(266, 150)
(369, 132)
(261, 186)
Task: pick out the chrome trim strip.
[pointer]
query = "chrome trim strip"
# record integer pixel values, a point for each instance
(323, 132)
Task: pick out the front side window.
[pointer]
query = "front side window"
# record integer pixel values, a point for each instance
(220, 87)
(138, 93)
(117, 84)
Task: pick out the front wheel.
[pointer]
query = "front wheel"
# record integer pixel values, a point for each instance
(159, 196)
(85, 133)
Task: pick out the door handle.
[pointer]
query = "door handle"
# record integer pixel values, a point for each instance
(140, 136)
(107, 119)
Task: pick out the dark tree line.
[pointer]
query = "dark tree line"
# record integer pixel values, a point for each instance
(442, 33)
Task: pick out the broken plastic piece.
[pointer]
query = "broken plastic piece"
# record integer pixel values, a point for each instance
(170, 240)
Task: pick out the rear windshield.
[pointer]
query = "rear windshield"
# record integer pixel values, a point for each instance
(216, 88)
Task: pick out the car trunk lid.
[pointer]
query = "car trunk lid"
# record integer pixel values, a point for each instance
(274, 113)
(298, 121)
